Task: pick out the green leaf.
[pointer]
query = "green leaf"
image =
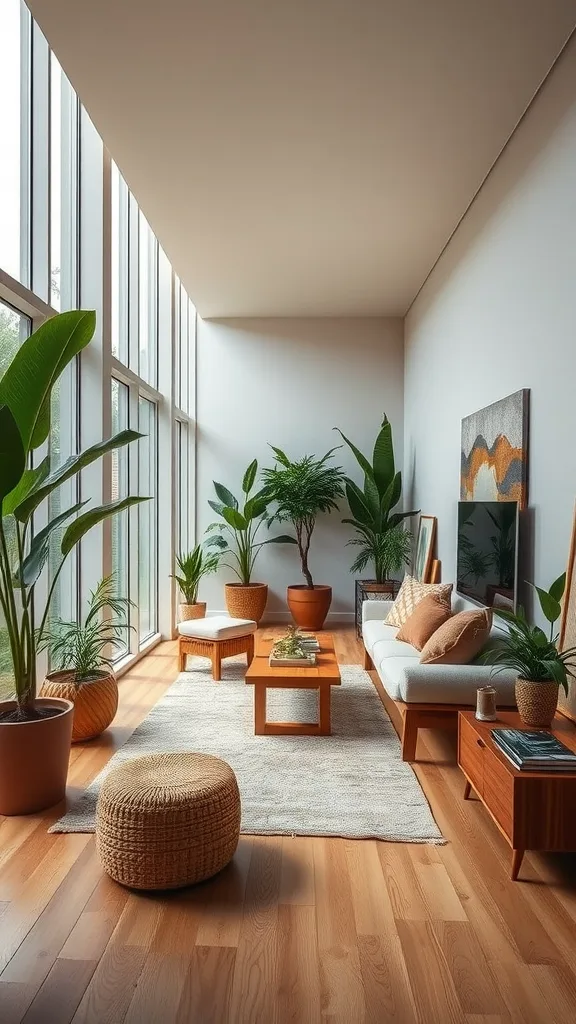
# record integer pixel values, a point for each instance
(399, 517)
(557, 589)
(30, 479)
(383, 458)
(234, 518)
(218, 542)
(550, 606)
(391, 495)
(249, 477)
(12, 453)
(557, 672)
(225, 495)
(40, 546)
(27, 383)
(80, 526)
(284, 538)
(254, 508)
(74, 464)
(358, 504)
(281, 456)
(360, 458)
(216, 507)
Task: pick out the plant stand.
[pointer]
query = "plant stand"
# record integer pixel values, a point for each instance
(369, 590)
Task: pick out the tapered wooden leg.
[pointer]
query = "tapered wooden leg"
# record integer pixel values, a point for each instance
(259, 709)
(409, 737)
(325, 725)
(517, 858)
(181, 657)
(216, 663)
(368, 663)
(467, 788)
(250, 650)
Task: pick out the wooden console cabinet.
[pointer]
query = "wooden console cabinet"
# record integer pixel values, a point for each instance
(533, 810)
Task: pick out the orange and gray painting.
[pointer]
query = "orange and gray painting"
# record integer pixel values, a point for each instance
(494, 456)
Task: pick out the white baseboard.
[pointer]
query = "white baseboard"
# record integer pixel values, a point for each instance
(346, 618)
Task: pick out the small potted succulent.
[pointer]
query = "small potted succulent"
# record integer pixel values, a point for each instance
(302, 490)
(83, 655)
(236, 538)
(542, 668)
(192, 567)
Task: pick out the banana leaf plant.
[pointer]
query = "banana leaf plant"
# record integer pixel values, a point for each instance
(382, 539)
(27, 483)
(237, 534)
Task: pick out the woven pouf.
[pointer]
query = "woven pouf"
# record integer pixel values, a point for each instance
(167, 820)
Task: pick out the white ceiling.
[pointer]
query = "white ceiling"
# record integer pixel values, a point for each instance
(305, 157)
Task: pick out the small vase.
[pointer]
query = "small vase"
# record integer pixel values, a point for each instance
(537, 702)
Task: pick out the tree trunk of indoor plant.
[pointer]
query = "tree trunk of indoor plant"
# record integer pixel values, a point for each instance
(246, 600)
(192, 611)
(309, 606)
(34, 758)
(95, 701)
(537, 702)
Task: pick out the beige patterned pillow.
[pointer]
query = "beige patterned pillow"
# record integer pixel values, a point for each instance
(410, 594)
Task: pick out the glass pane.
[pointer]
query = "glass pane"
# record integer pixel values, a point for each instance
(147, 539)
(176, 340)
(63, 189)
(62, 446)
(147, 291)
(120, 523)
(191, 358)
(183, 488)
(182, 394)
(119, 264)
(14, 328)
(13, 140)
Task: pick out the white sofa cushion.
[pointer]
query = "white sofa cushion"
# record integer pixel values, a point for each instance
(374, 630)
(218, 627)
(384, 649)
(407, 680)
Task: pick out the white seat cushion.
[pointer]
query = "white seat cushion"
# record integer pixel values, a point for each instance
(393, 649)
(218, 627)
(374, 630)
(407, 680)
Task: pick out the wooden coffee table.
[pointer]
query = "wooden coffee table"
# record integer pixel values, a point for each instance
(322, 677)
(533, 810)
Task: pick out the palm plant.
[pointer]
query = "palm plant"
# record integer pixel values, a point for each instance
(372, 507)
(25, 394)
(394, 550)
(192, 567)
(238, 532)
(86, 647)
(527, 649)
(302, 490)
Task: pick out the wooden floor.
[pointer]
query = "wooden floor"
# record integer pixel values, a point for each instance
(296, 929)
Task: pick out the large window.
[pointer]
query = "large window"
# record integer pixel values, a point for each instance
(72, 235)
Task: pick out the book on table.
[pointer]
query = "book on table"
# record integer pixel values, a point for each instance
(534, 750)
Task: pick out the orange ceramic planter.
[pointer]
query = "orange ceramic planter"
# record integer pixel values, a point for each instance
(309, 606)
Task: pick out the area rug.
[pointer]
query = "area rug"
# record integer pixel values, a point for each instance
(352, 784)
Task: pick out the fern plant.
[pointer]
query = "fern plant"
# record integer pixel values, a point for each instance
(87, 648)
(192, 567)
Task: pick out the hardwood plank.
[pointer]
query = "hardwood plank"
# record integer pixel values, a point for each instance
(402, 883)
(159, 989)
(208, 989)
(297, 879)
(387, 992)
(298, 996)
(474, 982)
(430, 979)
(221, 901)
(59, 996)
(439, 894)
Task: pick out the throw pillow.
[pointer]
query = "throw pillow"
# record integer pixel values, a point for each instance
(409, 595)
(427, 617)
(459, 639)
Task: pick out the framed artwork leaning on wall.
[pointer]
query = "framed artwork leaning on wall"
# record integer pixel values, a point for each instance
(567, 704)
(425, 548)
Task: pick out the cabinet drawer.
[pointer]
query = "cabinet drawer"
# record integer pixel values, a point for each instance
(499, 791)
(471, 751)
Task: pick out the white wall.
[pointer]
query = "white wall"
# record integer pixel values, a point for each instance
(498, 314)
(288, 382)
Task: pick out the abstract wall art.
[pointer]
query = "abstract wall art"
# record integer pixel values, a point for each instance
(494, 455)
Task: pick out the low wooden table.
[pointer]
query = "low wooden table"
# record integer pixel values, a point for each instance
(322, 677)
(533, 810)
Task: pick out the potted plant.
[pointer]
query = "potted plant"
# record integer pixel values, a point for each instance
(382, 539)
(540, 665)
(301, 491)
(81, 652)
(192, 567)
(237, 537)
(35, 732)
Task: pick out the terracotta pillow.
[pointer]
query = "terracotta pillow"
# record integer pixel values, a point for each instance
(459, 639)
(410, 594)
(426, 618)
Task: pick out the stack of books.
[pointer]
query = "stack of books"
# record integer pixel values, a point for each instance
(537, 751)
(309, 642)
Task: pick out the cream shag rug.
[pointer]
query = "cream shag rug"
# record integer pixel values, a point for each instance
(352, 783)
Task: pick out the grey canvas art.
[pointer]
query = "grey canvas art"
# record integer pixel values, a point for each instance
(494, 451)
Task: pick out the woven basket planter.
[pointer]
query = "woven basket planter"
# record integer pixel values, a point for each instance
(95, 702)
(537, 702)
(167, 820)
(192, 611)
(246, 600)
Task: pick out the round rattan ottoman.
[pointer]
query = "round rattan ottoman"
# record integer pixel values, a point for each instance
(167, 820)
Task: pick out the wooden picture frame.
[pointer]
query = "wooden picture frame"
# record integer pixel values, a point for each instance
(567, 705)
(425, 543)
(436, 571)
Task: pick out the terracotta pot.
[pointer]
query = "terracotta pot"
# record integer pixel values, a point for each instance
(192, 611)
(537, 702)
(309, 606)
(95, 702)
(246, 600)
(34, 758)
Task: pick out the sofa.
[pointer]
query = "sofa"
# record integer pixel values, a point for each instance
(428, 696)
